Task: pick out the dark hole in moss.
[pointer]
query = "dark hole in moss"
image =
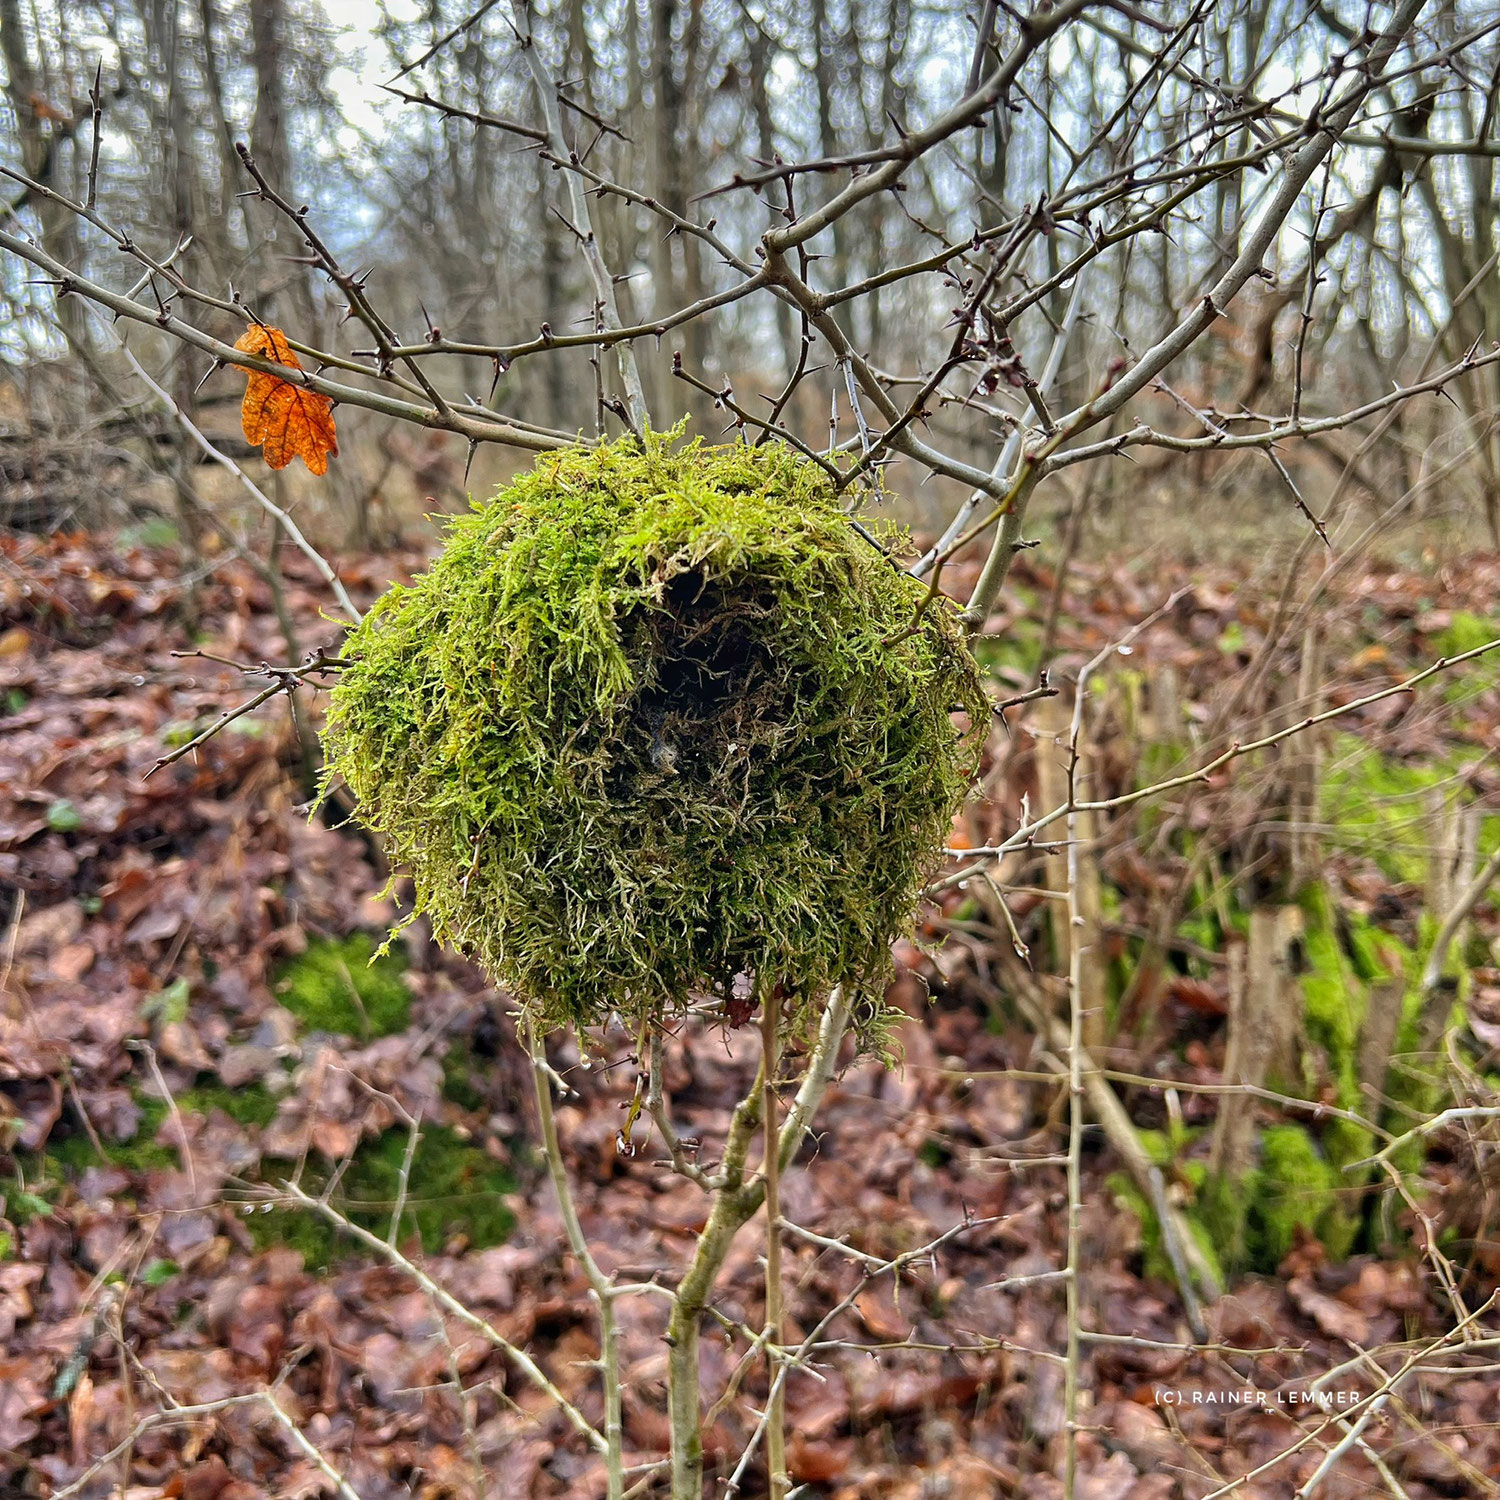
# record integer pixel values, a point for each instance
(709, 649)
(714, 694)
(935, 1153)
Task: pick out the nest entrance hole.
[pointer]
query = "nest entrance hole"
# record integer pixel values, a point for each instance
(715, 688)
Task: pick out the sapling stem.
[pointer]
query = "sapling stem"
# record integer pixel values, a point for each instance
(601, 1287)
(776, 1476)
(735, 1203)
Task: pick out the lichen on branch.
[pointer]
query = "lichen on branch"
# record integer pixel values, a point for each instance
(641, 733)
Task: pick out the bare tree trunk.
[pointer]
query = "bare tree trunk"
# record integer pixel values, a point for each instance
(678, 270)
(828, 44)
(268, 140)
(765, 132)
(270, 145)
(40, 141)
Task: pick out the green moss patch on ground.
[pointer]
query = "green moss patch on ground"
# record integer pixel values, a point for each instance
(1294, 1190)
(455, 1193)
(1298, 1188)
(140, 1153)
(67, 1154)
(1465, 631)
(340, 986)
(1155, 1261)
(1376, 805)
(251, 1105)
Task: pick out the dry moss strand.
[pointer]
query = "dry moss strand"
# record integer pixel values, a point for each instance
(649, 725)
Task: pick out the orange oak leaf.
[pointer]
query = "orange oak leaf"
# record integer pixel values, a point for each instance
(44, 110)
(285, 421)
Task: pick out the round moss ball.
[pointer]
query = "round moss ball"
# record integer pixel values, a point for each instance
(655, 725)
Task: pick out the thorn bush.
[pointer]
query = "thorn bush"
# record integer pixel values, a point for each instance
(652, 725)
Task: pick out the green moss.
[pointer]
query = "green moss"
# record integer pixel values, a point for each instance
(1201, 928)
(175, 735)
(1466, 631)
(22, 1206)
(1223, 1209)
(1296, 1187)
(1374, 805)
(1157, 1145)
(47, 1172)
(168, 1006)
(1205, 1242)
(1334, 994)
(1158, 760)
(1298, 1183)
(654, 720)
(1337, 999)
(1367, 950)
(252, 1105)
(1012, 657)
(1155, 1261)
(1122, 962)
(341, 987)
(454, 1190)
(140, 1153)
(159, 1272)
(458, 1075)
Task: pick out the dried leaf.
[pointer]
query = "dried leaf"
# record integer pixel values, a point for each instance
(286, 421)
(812, 1462)
(44, 109)
(1200, 995)
(1336, 1320)
(878, 1311)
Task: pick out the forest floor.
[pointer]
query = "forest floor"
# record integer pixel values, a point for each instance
(189, 1019)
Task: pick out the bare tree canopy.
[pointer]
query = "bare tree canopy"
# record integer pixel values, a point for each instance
(1099, 229)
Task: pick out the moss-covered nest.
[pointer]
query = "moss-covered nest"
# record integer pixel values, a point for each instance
(654, 725)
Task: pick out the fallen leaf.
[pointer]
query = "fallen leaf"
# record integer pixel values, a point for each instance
(285, 421)
(1336, 1320)
(205, 1481)
(811, 1462)
(72, 962)
(21, 1395)
(1200, 995)
(180, 1043)
(879, 1313)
